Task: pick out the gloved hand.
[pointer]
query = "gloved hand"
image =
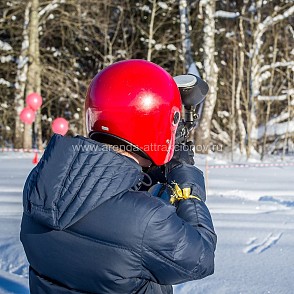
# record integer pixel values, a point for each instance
(183, 154)
(183, 176)
(155, 174)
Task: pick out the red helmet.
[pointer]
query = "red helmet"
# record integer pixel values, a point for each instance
(135, 104)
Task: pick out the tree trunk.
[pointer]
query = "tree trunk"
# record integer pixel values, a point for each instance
(268, 110)
(233, 108)
(290, 103)
(33, 81)
(255, 69)
(241, 127)
(185, 35)
(202, 135)
(20, 81)
(151, 30)
(38, 123)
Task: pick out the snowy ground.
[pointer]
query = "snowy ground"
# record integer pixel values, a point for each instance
(252, 209)
(13, 264)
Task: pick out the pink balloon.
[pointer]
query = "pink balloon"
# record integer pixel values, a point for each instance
(34, 101)
(60, 126)
(27, 115)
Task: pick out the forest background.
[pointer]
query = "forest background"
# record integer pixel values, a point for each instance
(243, 49)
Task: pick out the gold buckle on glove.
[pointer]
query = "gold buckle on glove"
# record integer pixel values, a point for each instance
(179, 194)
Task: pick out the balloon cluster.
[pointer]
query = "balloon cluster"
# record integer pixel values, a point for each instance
(34, 102)
(28, 114)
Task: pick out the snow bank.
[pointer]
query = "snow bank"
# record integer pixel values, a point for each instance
(253, 213)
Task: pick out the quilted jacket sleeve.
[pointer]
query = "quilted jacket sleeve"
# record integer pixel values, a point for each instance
(177, 250)
(179, 243)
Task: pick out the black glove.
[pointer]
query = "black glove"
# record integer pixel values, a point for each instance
(181, 133)
(155, 174)
(183, 154)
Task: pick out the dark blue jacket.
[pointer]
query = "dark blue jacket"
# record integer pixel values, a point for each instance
(87, 229)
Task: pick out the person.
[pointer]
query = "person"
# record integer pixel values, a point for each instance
(90, 225)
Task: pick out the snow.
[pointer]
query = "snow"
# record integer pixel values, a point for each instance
(50, 7)
(4, 82)
(277, 64)
(223, 114)
(281, 117)
(56, 53)
(13, 264)
(10, 283)
(3, 105)
(199, 65)
(5, 46)
(145, 8)
(272, 98)
(22, 61)
(264, 76)
(252, 209)
(277, 129)
(171, 47)
(4, 59)
(226, 14)
(162, 5)
(252, 8)
(158, 46)
(230, 34)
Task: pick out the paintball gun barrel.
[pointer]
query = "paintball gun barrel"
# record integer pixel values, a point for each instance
(193, 91)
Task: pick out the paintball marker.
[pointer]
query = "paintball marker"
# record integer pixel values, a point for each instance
(193, 91)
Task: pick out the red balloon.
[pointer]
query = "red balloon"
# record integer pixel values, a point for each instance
(60, 126)
(34, 101)
(27, 115)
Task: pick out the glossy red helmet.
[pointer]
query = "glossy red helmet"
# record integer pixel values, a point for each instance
(135, 104)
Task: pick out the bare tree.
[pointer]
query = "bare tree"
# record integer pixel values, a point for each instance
(185, 35)
(79, 38)
(210, 74)
(242, 50)
(257, 66)
(20, 80)
(151, 30)
(33, 78)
